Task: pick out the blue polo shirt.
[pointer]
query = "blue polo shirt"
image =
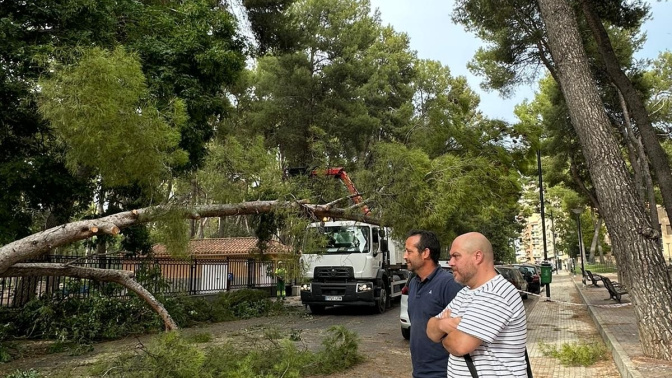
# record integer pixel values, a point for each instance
(426, 299)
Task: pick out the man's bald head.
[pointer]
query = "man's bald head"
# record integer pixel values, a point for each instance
(475, 241)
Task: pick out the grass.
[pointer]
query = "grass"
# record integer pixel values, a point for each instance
(597, 268)
(576, 354)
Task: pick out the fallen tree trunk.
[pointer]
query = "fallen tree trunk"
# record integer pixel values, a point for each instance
(121, 277)
(39, 243)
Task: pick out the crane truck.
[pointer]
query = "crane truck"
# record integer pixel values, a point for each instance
(349, 262)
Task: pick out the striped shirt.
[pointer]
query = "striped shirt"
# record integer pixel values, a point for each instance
(493, 313)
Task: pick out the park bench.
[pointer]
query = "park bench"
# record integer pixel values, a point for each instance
(593, 277)
(615, 289)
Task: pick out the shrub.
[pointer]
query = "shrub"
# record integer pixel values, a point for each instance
(576, 354)
(80, 320)
(172, 356)
(24, 374)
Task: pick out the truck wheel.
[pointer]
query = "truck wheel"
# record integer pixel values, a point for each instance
(406, 332)
(316, 309)
(383, 299)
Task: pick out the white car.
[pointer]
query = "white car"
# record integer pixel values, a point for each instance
(403, 315)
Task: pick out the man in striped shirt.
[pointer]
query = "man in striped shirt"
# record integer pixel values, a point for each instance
(486, 320)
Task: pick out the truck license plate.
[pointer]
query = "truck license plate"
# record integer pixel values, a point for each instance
(333, 298)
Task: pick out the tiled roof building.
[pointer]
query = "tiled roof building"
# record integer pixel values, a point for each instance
(227, 247)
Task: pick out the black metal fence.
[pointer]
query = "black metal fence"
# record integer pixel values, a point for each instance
(167, 276)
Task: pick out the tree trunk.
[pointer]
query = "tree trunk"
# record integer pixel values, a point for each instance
(596, 238)
(623, 212)
(641, 164)
(633, 98)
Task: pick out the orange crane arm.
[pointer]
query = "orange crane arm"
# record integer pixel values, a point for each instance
(340, 174)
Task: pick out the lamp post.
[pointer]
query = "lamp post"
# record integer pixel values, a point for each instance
(669, 259)
(578, 213)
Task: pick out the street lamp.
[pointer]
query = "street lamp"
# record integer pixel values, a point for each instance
(578, 212)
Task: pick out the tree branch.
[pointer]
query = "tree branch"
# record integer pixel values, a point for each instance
(121, 277)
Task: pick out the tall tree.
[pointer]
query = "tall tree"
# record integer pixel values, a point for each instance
(343, 87)
(189, 51)
(624, 214)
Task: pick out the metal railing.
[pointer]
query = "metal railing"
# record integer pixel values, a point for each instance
(165, 276)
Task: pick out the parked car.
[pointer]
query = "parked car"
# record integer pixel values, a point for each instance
(532, 274)
(403, 312)
(513, 275)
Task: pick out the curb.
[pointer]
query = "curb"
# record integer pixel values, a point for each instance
(623, 363)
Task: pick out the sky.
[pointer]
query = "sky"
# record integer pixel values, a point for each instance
(434, 36)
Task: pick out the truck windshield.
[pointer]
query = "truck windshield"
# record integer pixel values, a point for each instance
(337, 239)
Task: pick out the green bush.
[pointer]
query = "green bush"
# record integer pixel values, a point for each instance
(98, 317)
(24, 374)
(576, 354)
(244, 304)
(80, 320)
(172, 356)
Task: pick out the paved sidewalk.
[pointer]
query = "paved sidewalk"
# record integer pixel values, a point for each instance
(618, 328)
(564, 320)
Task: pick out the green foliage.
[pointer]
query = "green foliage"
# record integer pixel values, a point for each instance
(170, 355)
(576, 354)
(32, 373)
(345, 85)
(449, 194)
(200, 338)
(80, 320)
(100, 108)
(189, 53)
(341, 347)
(659, 81)
(172, 230)
(226, 306)
(244, 304)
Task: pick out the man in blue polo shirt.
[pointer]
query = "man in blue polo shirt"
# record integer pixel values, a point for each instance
(429, 293)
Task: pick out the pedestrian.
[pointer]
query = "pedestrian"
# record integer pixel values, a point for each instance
(430, 291)
(484, 328)
(280, 274)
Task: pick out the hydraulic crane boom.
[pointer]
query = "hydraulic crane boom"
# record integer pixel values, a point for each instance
(339, 173)
(342, 175)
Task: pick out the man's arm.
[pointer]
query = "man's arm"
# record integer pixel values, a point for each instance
(459, 343)
(434, 331)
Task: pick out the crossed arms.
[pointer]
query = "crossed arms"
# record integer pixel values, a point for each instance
(444, 329)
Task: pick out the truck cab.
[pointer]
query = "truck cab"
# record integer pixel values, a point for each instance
(350, 263)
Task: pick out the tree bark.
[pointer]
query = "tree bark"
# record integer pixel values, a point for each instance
(121, 277)
(633, 98)
(623, 212)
